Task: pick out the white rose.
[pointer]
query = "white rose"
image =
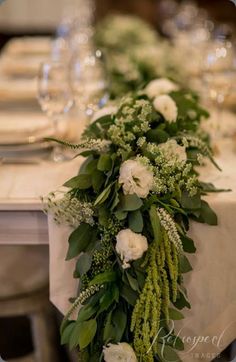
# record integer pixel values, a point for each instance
(121, 352)
(136, 178)
(160, 86)
(167, 107)
(106, 111)
(130, 246)
(172, 149)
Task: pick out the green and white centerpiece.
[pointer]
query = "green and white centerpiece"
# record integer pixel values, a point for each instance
(130, 206)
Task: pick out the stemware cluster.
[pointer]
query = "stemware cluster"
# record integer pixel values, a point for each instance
(75, 74)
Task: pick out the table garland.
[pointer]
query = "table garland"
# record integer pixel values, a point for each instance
(131, 203)
(130, 206)
(135, 53)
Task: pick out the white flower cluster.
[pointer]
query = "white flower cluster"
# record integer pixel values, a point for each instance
(135, 178)
(169, 225)
(67, 210)
(121, 352)
(158, 90)
(130, 246)
(172, 151)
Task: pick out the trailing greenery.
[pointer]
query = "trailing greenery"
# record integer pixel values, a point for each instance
(127, 297)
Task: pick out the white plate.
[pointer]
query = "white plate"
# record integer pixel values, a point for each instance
(23, 128)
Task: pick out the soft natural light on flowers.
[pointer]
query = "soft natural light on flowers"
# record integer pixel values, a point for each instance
(135, 178)
(160, 86)
(172, 149)
(167, 107)
(130, 246)
(121, 352)
(106, 111)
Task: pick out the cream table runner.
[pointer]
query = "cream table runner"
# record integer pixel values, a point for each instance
(210, 326)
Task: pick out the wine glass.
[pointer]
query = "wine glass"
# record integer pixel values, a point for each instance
(219, 67)
(89, 81)
(55, 98)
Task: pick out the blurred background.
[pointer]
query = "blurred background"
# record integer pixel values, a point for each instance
(41, 17)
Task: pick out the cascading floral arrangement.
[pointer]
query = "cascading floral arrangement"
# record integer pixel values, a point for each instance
(130, 206)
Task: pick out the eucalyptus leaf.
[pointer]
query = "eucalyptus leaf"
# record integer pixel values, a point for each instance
(98, 180)
(83, 264)
(175, 314)
(104, 162)
(190, 202)
(103, 196)
(80, 239)
(106, 277)
(66, 334)
(82, 182)
(136, 221)
(184, 264)
(130, 202)
(83, 333)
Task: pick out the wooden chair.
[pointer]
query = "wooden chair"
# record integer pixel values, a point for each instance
(24, 292)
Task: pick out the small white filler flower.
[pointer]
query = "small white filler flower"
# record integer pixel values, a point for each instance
(172, 150)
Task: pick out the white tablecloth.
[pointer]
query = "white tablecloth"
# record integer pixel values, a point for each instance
(211, 284)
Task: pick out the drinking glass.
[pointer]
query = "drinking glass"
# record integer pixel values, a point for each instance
(89, 81)
(55, 98)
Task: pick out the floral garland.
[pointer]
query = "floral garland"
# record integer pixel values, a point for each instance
(135, 53)
(130, 206)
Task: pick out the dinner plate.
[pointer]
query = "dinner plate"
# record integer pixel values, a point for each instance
(24, 128)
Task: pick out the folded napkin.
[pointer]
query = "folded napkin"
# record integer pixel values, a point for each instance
(28, 45)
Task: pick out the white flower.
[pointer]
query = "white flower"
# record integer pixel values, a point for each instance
(172, 149)
(167, 107)
(136, 178)
(160, 86)
(130, 246)
(106, 111)
(121, 352)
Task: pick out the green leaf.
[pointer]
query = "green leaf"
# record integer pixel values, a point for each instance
(207, 214)
(86, 312)
(156, 225)
(121, 215)
(83, 333)
(130, 202)
(82, 182)
(136, 221)
(129, 295)
(188, 244)
(98, 180)
(157, 135)
(80, 239)
(103, 196)
(103, 216)
(104, 162)
(106, 277)
(168, 354)
(66, 334)
(181, 301)
(190, 202)
(119, 320)
(109, 296)
(88, 166)
(83, 264)
(132, 282)
(115, 326)
(184, 264)
(175, 314)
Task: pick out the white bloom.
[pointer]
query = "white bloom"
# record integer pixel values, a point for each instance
(106, 111)
(167, 107)
(136, 178)
(121, 352)
(172, 149)
(130, 246)
(160, 86)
